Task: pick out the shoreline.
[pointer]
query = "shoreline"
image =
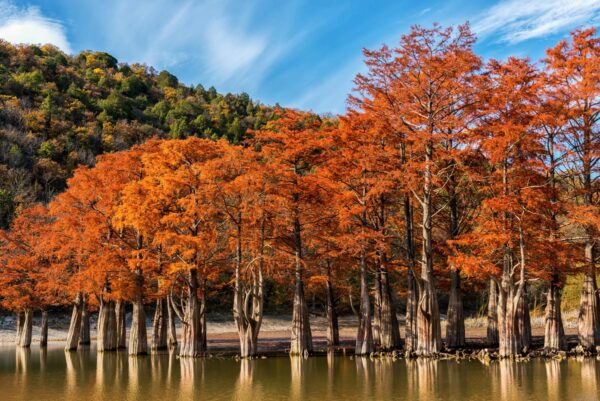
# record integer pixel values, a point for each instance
(274, 338)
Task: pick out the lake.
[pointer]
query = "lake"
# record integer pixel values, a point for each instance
(31, 374)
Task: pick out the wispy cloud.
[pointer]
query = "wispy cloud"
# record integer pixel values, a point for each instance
(225, 43)
(330, 94)
(28, 25)
(514, 21)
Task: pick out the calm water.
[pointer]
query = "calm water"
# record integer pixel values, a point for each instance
(84, 375)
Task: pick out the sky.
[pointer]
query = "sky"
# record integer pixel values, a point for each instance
(302, 54)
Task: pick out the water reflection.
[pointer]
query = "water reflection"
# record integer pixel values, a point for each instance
(43, 358)
(364, 373)
(553, 378)
(589, 377)
(192, 378)
(246, 388)
(298, 368)
(22, 359)
(87, 375)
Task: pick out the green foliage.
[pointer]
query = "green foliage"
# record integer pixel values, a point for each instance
(166, 79)
(47, 150)
(58, 111)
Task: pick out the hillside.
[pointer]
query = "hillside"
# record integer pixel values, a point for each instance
(58, 111)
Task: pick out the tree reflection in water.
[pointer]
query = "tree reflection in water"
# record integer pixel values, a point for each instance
(297, 373)
(87, 375)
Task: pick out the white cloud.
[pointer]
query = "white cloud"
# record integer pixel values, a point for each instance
(30, 26)
(514, 21)
(330, 94)
(229, 44)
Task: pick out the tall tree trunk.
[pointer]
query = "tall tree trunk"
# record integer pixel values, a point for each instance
(412, 301)
(106, 333)
(25, 337)
(412, 295)
(509, 335)
(203, 332)
(588, 323)
(301, 339)
(191, 340)
(389, 331)
(138, 338)
(171, 330)
(44, 329)
(333, 334)
(492, 314)
(455, 327)
(429, 340)
(248, 301)
(19, 326)
(75, 325)
(376, 327)
(554, 334)
(120, 313)
(364, 335)
(524, 321)
(84, 335)
(159, 326)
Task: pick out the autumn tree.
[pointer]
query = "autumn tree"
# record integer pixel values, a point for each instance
(237, 184)
(575, 84)
(506, 241)
(292, 147)
(427, 83)
(24, 269)
(359, 171)
(176, 213)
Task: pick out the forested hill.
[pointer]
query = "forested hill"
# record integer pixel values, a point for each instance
(58, 111)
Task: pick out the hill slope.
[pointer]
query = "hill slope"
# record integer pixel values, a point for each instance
(58, 111)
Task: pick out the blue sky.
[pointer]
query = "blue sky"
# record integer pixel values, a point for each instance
(301, 54)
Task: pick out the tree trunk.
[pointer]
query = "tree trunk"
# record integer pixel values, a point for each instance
(84, 335)
(120, 313)
(410, 334)
(333, 334)
(138, 339)
(203, 336)
(492, 314)
(106, 332)
(171, 330)
(25, 337)
(75, 325)
(508, 326)
(511, 315)
(191, 340)
(588, 323)
(44, 329)
(364, 335)
(455, 326)
(554, 334)
(389, 331)
(376, 327)
(429, 340)
(248, 302)
(160, 323)
(19, 326)
(301, 339)
(524, 321)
